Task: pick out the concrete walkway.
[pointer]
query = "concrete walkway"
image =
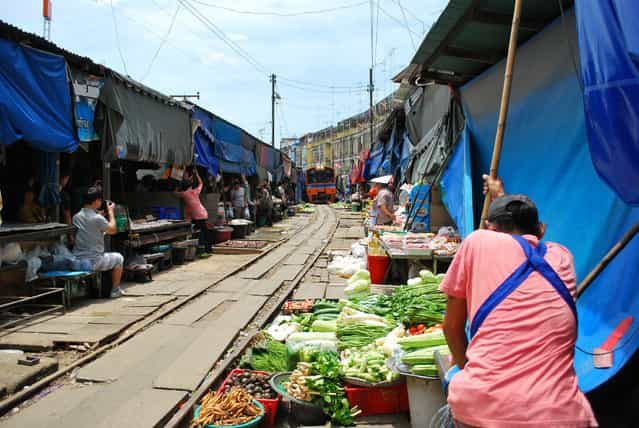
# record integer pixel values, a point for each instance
(142, 381)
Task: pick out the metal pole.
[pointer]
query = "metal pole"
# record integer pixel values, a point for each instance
(503, 108)
(370, 103)
(273, 110)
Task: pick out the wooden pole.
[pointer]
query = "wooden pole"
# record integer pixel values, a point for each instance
(616, 249)
(503, 108)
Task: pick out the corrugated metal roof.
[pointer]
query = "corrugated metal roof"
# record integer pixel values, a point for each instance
(472, 35)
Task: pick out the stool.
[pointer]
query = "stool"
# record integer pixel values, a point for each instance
(72, 282)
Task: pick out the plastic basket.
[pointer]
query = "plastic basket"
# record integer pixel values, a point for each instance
(270, 406)
(378, 401)
(252, 423)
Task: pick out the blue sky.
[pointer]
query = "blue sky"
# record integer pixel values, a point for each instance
(323, 50)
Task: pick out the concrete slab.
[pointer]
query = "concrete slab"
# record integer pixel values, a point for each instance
(264, 287)
(197, 310)
(13, 377)
(232, 284)
(188, 370)
(310, 291)
(145, 409)
(90, 333)
(236, 314)
(288, 272)
(296, 259)
(139, 349)
(29, 341)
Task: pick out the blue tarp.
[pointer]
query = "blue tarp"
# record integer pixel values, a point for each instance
(405, 155)
(457, 187)
(203, 141)
(372, 167)
(232, 156)
(608, 48)
(420, 208)
(35, 101)
(546, 155)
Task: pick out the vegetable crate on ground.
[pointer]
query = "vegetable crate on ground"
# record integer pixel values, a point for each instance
(270, 405)
(378, 401)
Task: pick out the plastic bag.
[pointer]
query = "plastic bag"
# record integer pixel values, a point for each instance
(11, 253)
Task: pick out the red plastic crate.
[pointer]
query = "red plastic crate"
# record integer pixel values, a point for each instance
(378, 401)
(270, 406)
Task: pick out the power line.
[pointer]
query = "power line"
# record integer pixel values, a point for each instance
(320, 85)
(353, 90)
(399, 3)
(410, 12)
(117, 37)
(162, 42)
(223, 37)
(385, 12)
(280, 14)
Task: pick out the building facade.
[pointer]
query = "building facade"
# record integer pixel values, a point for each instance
(338, 146)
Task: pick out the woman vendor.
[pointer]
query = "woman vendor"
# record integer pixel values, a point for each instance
(383, 208)
(195, 211)
(518, 295)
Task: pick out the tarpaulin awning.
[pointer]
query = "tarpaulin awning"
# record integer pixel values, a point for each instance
(140, 124)
(269, 157)
(457, 187)
(203, 141)
(546, 156)
(35, 99)
(373, 165)
(608, 48)
(234, 158)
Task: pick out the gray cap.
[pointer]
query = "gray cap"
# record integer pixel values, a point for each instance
(501, 208)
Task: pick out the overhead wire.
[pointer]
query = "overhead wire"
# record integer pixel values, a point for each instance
(281, 14)
(410, 12)
(162, 42)
(396, 20)
(213, 28)
(117, 37)
(399, 3)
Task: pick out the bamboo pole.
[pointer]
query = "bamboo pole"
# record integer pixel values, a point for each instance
(616, 249)
(503, 108)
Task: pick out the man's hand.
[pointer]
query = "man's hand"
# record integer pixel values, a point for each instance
(494, 186)
(110, 208)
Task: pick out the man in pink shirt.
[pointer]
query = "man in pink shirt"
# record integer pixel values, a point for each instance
(195, 211)
(517, 294)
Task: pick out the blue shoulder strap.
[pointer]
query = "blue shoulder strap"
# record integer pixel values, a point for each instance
(534, 261)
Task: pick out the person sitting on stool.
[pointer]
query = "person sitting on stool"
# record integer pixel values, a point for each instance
(89, 238)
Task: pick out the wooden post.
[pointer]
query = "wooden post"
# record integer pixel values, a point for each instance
(503, 108)
(616, 249)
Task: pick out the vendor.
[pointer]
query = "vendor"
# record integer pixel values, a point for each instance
(518, 294)
(89, 239)
(383, 205)
(195, 211)
(238, 199)
(265, 204)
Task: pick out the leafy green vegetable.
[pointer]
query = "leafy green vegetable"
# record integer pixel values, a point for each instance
(358, 334)
(420, 303)
(270, 356)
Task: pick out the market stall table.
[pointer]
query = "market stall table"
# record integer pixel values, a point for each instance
(153, 232)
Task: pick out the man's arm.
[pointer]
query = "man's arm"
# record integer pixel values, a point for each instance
(112, 228)
(455, 329)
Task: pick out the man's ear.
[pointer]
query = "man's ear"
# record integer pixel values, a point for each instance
(542, 230)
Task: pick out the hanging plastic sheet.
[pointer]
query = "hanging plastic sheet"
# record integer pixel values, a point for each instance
(546, 156)
(234, 158)
(48, 175)
(137, 123)
(35, 101)
(457, 187)
(86, 89)
(419, 215)
(407, 147)
(372, 167)
(608, 44)
(203, 141)
(424, 108)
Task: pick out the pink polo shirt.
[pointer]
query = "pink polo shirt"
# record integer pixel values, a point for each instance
(520, 363)
(193, 208)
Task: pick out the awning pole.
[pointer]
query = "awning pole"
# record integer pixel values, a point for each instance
(616, 249)
(503, 108)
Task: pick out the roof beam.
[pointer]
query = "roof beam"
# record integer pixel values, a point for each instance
(468, 55)
(493, 18)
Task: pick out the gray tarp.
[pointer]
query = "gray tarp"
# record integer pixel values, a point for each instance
(424, 108)
(140, 124)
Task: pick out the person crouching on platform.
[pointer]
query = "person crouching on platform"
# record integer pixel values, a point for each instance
(518, 295)
(89, 238)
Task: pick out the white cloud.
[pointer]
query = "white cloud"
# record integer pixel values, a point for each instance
(107, 2)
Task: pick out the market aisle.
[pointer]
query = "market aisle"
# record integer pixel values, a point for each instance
(143, 380)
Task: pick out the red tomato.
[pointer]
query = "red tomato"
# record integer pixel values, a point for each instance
(421, 326)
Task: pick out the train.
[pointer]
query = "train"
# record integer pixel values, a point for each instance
(320, 184)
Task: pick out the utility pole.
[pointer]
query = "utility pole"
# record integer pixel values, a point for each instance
(370, 103)
(273, 95)
(46, 19)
